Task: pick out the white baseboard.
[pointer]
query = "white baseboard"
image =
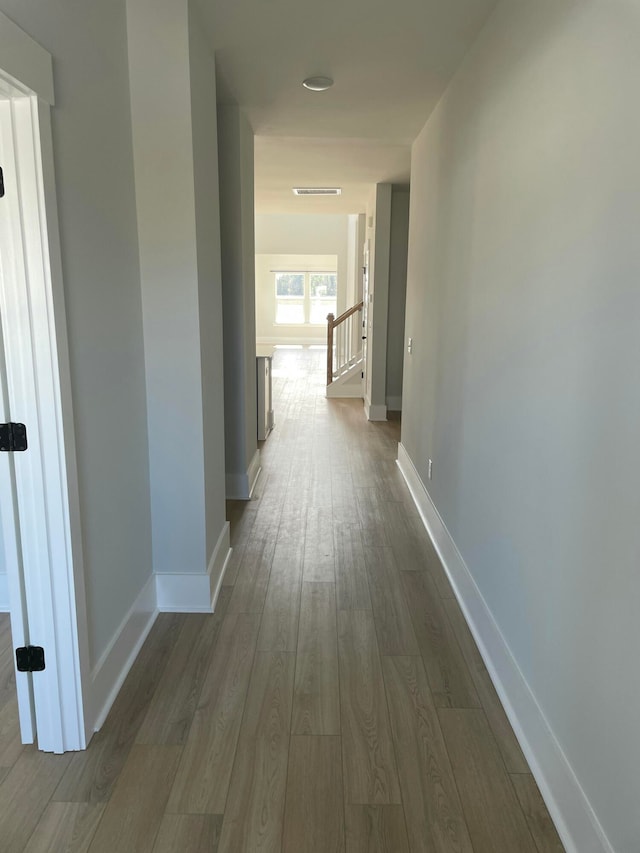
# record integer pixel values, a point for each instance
(568, 805)
(182, 592)
(254, 470)
(173, 593)
(375, 412)
(239, 487)
(219, 561)
(394, 404)
(117, 659)
(4, 594)
(194, 592)
(348, 391)
(299, 341)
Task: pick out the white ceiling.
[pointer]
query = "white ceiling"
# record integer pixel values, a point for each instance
(390, 59)
(352, 164)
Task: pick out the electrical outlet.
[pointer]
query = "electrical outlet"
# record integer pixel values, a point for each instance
(410, 345)
(430, 470)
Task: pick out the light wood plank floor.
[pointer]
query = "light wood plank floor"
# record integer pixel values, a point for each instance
(335, 702)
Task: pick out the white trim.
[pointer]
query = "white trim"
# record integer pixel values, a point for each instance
(394, 404)
(114, 664)
(239, 487)
(254, 469)
(194, 592)
(38, 380)
(568, 805)
(219, 563)
(183, 592)
(75, 573)
(162, 593)
(375, 412)
(345, 390)
(4, 594)
(348, 391)
(293, 340)
(350, 384)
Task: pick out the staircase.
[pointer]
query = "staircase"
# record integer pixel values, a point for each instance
(345, 360)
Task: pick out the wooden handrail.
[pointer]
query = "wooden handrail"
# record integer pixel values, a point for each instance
(332, 323)
(346, 314)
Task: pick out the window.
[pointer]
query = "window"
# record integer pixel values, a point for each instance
(290, 297)
(323, 291)
(305, 297)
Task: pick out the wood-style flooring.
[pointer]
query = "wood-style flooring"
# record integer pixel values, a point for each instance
(334, 703)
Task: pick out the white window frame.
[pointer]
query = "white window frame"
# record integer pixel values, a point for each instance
(307, 299)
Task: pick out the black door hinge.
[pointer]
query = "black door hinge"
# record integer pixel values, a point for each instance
(13, 437)
(30, 659)
(362, 374)
(1, 182)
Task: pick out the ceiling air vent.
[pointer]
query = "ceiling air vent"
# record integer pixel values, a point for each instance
(317, 191)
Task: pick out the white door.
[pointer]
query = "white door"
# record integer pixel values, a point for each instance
(38, 489)
(11, 560)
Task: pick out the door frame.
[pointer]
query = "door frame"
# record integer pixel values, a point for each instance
(39, 382)
(366, 318)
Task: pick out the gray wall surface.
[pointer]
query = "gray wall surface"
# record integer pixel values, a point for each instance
(397, 294)
(379, 211)
(96, 204)
(235, 140)
(207, 209)
(165, 196)
(523, 302)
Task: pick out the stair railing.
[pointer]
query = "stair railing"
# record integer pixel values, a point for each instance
(344, 342)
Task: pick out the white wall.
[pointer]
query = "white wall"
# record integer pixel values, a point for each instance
(96, 205)
(307, 234)
(397, 296)
(523, 302)
(235, 140)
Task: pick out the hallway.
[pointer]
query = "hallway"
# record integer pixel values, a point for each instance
(335, 701)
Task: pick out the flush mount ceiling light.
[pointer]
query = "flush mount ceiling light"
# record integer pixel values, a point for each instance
(317, 191)
(318, 84)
